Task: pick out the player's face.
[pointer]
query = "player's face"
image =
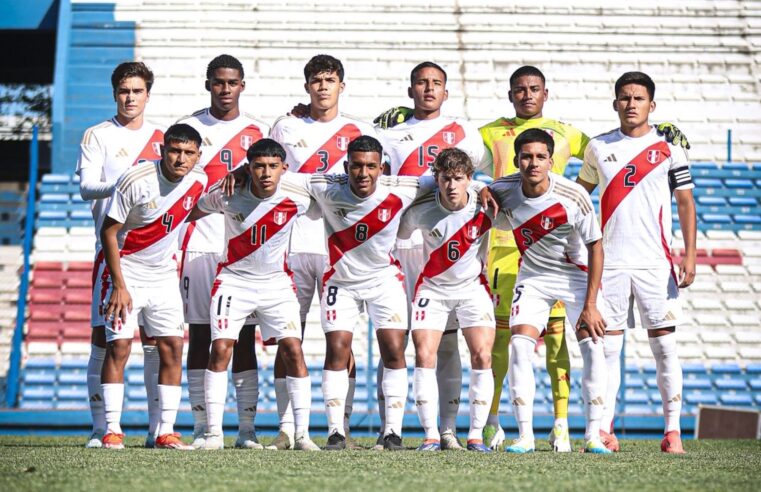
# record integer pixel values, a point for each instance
(225, 87)
(528, 96)
(534, 163)
(453, 189)
(179, 158)
(131, 95)
(633, 105)
(363, 169)
(323, 89)
(265, 175)
(428, 90)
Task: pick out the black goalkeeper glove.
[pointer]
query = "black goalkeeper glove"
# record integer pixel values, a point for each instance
(393, 117)
(672, 134)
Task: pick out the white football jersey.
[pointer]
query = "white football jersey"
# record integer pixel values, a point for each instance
(152, 210)
(636, 178)
(223, 149)
(110, 149)
(412, 147)
(552, 230)
(453, 247)
(360, 231)
(315, 147)
(257, 232)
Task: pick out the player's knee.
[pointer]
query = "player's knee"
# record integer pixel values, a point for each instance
(290, 348)
(219, 357)
(119, 350)
(170, 350)
(424, 357)
(480, 358)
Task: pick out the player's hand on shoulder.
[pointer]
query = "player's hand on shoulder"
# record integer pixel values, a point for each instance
(119, 304)
(488, 201)
(686, 272)
(300, 110)
(592, 321)
(673, 134)
(393, 117)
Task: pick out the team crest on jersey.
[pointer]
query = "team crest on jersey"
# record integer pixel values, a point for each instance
(280, 217)
(342, 143)
(384, 214)
(473, 232)
(156, 148)
(547, 223)
(448, 137)
(653, 156)
(187, 203)
(246, 141)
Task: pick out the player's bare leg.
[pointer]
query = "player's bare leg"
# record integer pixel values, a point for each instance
(391, 344)
(335, 385)
(425, 385)
(480, 341)
(246, 383)
(151, 365)
(94, 393)
(170, 391)
(669, 377)
(613, 344)
(112, 389)
(199, 341)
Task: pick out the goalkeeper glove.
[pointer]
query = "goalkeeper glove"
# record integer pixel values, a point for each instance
(672, 134)
(393, 117)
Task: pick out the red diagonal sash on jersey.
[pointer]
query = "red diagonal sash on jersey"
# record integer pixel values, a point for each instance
(440, 260)
(143, 237)
(341, 242)
(538, 226)
(631, 175)
(230, 154)
(152, 149)
(415, 164)
(331, 151)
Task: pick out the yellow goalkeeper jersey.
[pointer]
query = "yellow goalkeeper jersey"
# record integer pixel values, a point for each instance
(499, 137)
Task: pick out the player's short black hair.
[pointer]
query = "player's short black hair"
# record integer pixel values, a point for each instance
(526, 70)
(426, 64)
(453, 160)
(224, 61)
(265, 147)
(638, 78)
(365, 143)
(131, 69)
(182, 132)
(323, 63)
(534, 135)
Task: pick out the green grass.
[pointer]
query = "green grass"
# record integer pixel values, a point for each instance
(61, 463)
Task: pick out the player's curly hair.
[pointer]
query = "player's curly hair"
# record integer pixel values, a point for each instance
(365, 143)
(224, 61)
(265, 147)
(526, 70)
(182, 132)
(426, 64)
(534, 135)
(637, 78)
(451, 161)
(323, 63)
(132, 69)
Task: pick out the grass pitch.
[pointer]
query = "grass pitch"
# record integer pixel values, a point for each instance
(62, 463)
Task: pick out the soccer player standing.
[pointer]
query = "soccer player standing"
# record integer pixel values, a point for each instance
(411, 147)
(559, 240)
(253, 279)
(107, 150)
(637, 173)
(227, 134)
(316, 143)
(139, 237)
(451, 282)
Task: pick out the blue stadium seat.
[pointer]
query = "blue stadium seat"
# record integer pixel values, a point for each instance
(701, 182)
(701, 398)
(716, 218)
(39, 378)
(78, 393)
(694, 368)
(635, 381)
(636, 397)
(747, 219)
(740, 166)
(738, 400)
(41, 364)
(74, 365)
(711, 200)
(738, 183)
(697, 384)
(742, 201)
(704, 165)
(639, 409)
(56, 178)
(37, 392)
(54, 197)
(81, 214)
(753, 368)
(729, 368)
(755, 384)
(731, 384)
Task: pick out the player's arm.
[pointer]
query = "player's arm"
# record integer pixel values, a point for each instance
(90, 169)
(120, 302)
(685, 206)
(589, 176)
(590, 321)
(212, 202)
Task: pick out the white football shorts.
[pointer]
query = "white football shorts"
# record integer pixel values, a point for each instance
(157, 306)
(434, 314)
(307, 269)
(534, 296)
(655, 290)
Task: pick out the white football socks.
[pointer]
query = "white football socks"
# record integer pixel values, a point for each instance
(169, 402)
(246, 385)
(449, 376)
(669, 378)
(300, 393)
(113, 400)
(395, 386)
(335, 386)
(94, 392)
(197, 398)
(522, 383)
(593, 385)
(612, 346)
(284, 407)
(216, 394)
(480, 395)
(426, 400)
(151, 363)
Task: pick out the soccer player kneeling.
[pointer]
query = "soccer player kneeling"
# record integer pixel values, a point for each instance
(453, 225)
(554, 225)
(139, 236)
(253, 279)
